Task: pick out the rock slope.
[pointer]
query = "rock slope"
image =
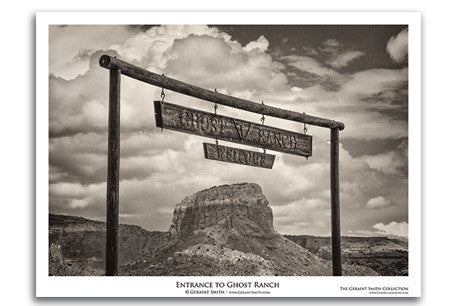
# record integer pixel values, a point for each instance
(223, 205)
(228, 230)
(223, 230)
(77, 245)
(388, 256)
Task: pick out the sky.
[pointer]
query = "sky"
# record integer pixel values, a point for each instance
(355, 74)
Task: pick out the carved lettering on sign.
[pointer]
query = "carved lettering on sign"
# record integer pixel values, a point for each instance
(238, 156)
(188, 120)
(242, 131)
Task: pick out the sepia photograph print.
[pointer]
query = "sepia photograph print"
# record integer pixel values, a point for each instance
(239, 158)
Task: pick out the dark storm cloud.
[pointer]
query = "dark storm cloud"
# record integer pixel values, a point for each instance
(371, 39)
(360, 147)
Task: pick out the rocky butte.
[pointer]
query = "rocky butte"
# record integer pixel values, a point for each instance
(228, 230)
(223, 230)
(224, 207)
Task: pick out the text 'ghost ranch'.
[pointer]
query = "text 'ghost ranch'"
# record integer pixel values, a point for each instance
(196, 122)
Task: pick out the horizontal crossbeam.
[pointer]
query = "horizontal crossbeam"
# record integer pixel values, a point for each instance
(152, 78)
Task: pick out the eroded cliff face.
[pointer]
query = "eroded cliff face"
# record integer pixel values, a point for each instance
(226, 206)
(224, 230)
(228, 230)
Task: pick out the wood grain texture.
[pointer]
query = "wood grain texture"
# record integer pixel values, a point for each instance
(196, 122)
(112, 181)
(219, 127)
(149, 77)
(238, 156)
(335, 203)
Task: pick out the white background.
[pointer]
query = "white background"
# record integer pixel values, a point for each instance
(17, 149)
(48, 286)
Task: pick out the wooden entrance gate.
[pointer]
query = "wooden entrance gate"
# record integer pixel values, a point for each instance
(118, 67)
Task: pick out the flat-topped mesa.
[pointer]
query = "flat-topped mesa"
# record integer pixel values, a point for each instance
(232, 206)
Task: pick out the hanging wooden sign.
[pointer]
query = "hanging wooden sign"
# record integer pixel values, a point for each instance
(238, 156)
(193, 121)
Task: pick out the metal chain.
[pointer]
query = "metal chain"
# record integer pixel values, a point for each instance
(215, 104)
(262, 122)
(163, 95)
(215, 113)
(305, 130)
(262, 118)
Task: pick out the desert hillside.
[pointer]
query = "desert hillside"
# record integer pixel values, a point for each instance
(385, 255)
(77, 245)
(223, 230)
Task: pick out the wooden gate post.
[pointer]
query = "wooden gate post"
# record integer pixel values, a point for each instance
(335, 215)
(118, 67)
(112, 183)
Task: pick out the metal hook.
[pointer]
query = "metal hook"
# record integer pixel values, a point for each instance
(262, 118)
(163, 95)
(215, 113)
(305, 130)
(215, 104)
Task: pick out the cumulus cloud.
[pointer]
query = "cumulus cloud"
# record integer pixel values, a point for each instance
(78, 105)
(378, 202)
(78, 203)
(331, 44)
(393, 228)
(297, 216)
(390, 163)
(70, 46)
(372, 81)
(372, 103)
(159, 168)
(148, 48)
(228, 66)
(261, 44)
(397, 46)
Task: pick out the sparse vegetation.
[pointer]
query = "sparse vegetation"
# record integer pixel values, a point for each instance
(225, 230)
(387, 256)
